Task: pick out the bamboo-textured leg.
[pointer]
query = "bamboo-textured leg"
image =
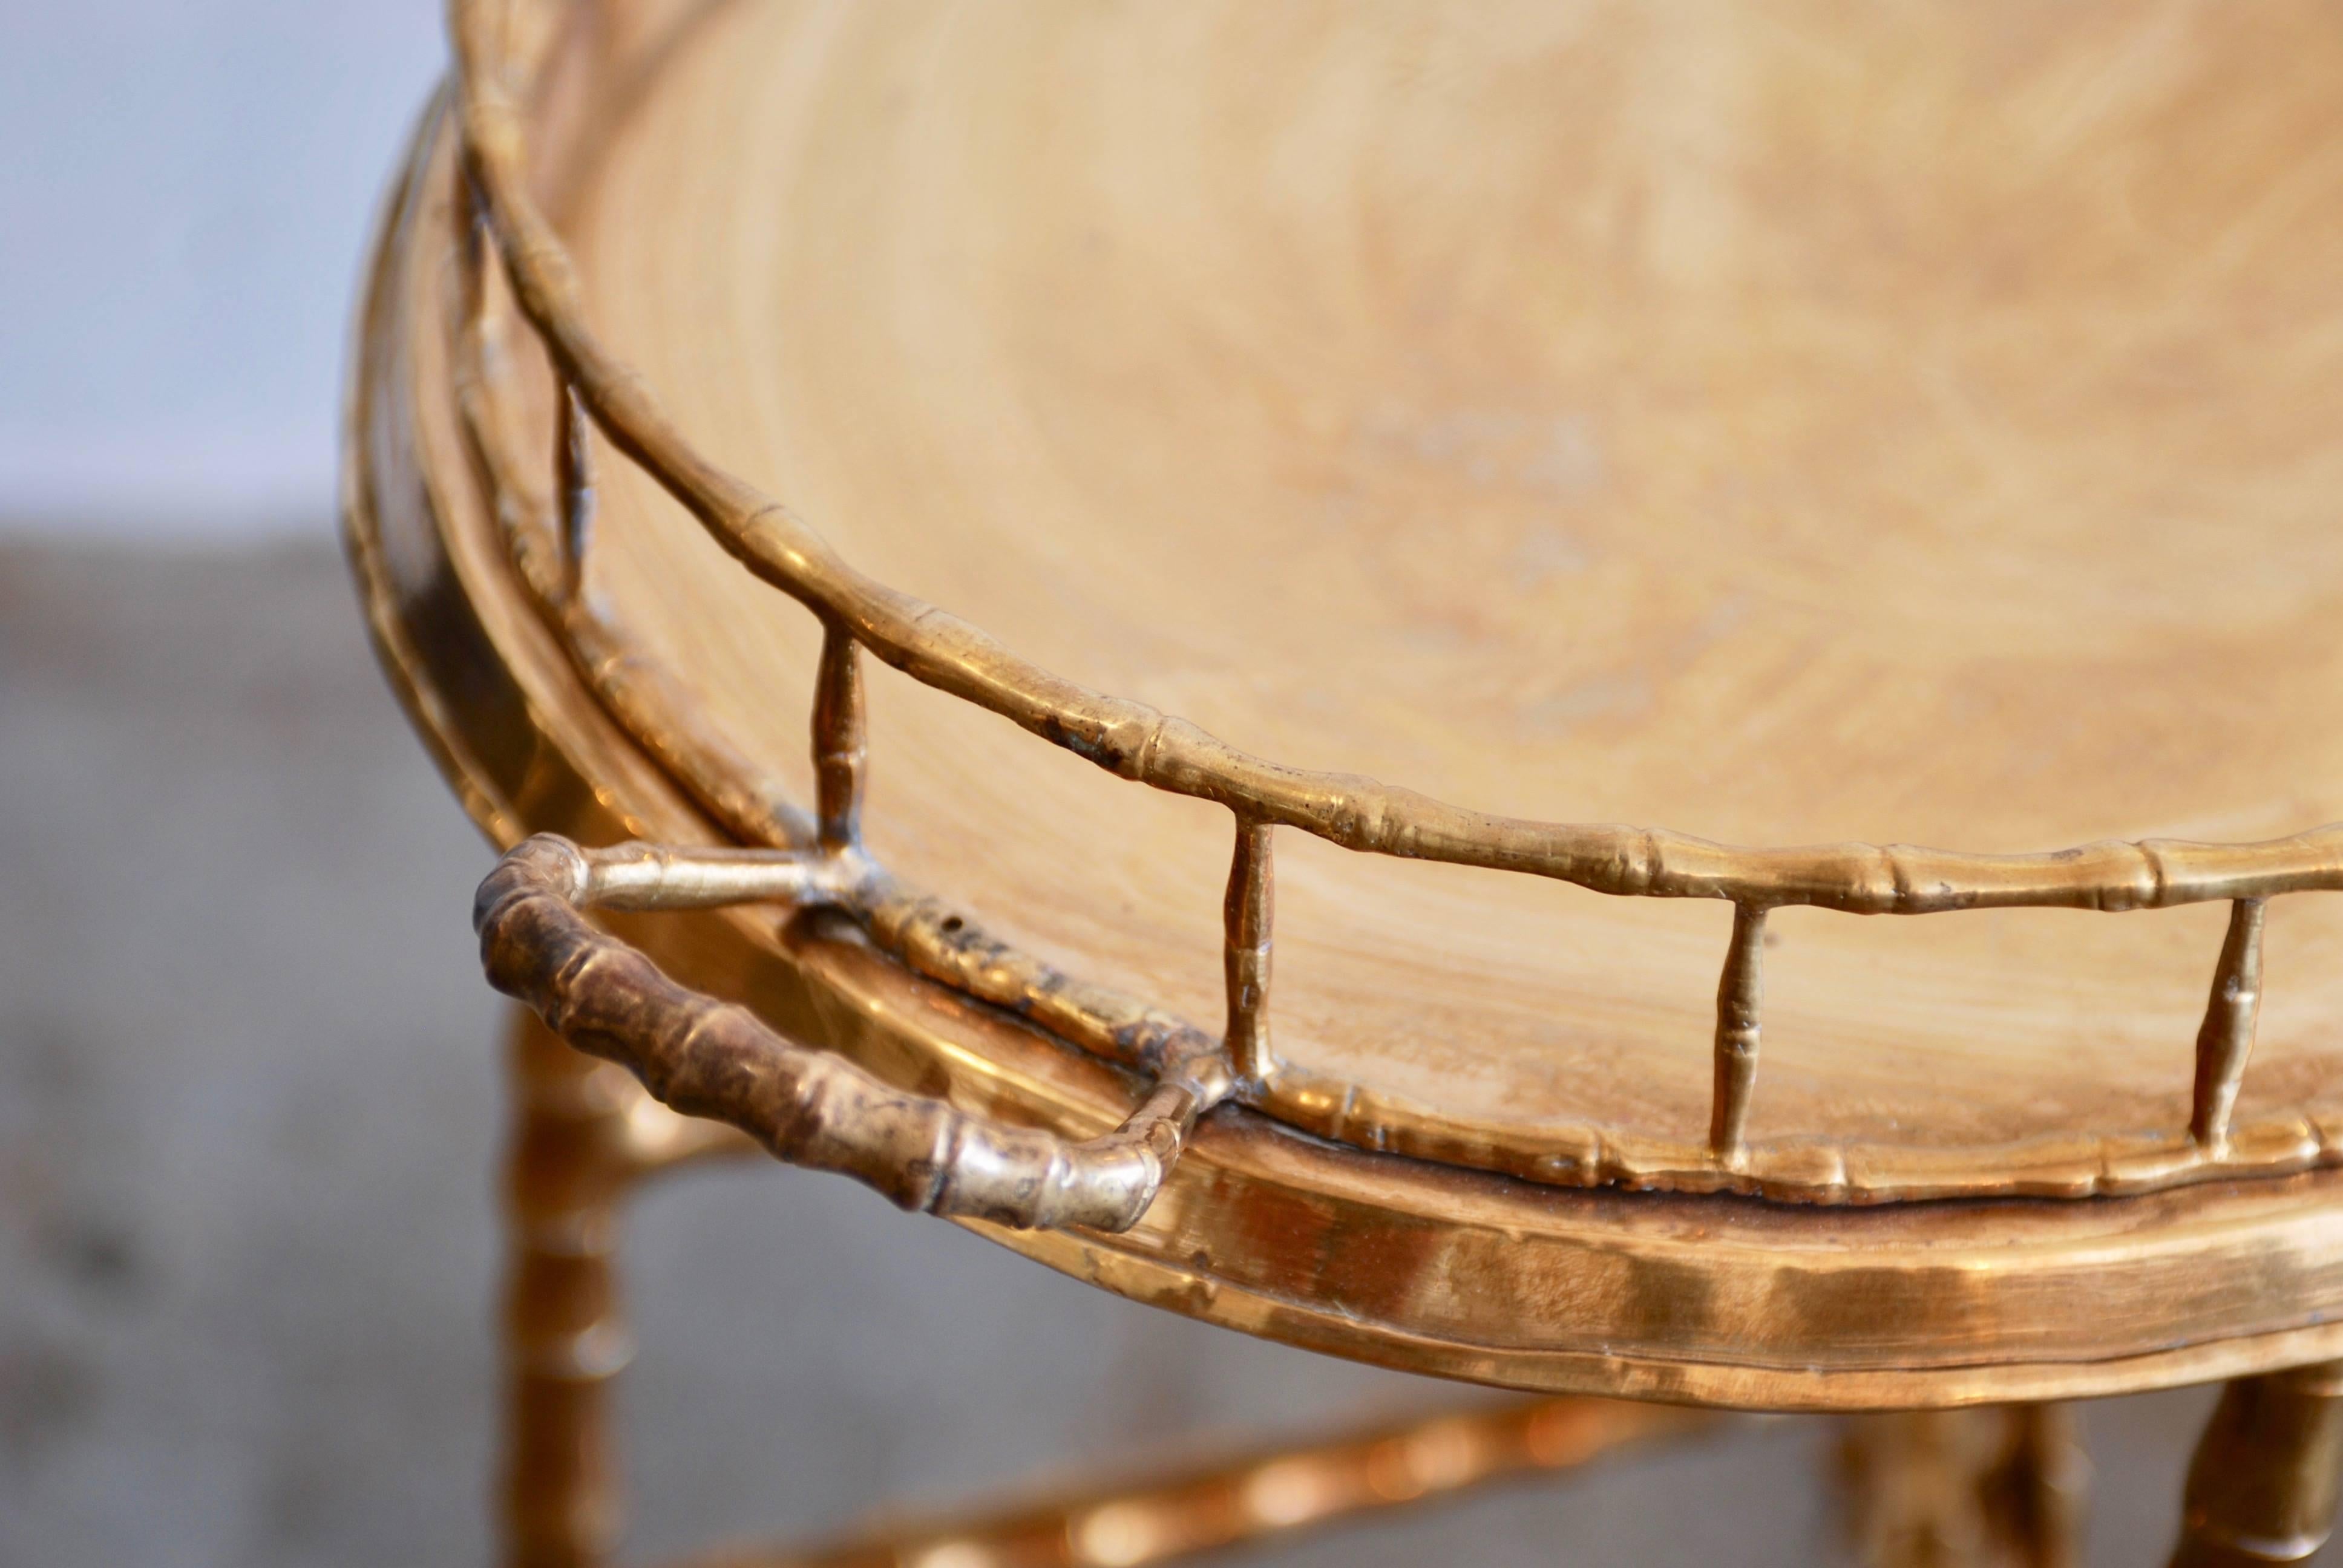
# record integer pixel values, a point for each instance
(567, 1168)
(2262, 1488)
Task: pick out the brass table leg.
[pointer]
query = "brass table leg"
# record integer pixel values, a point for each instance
(566, 1172)
(2262, 1488)
(1999, 1487)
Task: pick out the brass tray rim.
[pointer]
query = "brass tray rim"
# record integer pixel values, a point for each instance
(1648, 1258)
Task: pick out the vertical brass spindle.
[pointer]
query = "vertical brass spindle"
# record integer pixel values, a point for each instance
(472, 250)
(2227, 1038)
(840, 750)
(573, 478)
(564, 1339)
(1740, 994)
(1248, 914)
(2262, 1488)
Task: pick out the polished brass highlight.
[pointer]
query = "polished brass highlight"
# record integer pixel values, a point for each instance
(2262, 1488)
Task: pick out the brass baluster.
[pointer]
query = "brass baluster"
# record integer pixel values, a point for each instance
(1740, 995)
(573, 480)
(841, 751)
(1248, 912)
(2227, 1038)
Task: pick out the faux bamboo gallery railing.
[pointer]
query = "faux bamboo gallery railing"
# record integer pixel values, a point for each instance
(719, 1062)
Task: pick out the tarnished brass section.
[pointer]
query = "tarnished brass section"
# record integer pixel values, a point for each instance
(2002, 1486)
(2227, 1038)
(1249, 914)
(704, 1058)
(1740, 999)
(2263, 1486)
(1254, 1497)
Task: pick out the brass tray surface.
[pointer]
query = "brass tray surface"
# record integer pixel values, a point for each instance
(1817, 428)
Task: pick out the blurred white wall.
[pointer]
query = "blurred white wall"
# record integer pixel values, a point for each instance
(184, 189)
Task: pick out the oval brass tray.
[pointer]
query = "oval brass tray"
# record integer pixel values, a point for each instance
(1834, 427)
(1572, 412)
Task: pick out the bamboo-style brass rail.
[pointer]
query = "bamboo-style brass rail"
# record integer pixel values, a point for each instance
(707, 1059)
(1137, 742)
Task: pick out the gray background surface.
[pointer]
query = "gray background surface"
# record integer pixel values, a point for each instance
(184, 185)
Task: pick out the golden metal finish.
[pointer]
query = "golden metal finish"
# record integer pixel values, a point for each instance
(489, 548)
(1740, 994)
(1135, 741)
(2227, 1038)
(1248, 912)
(841, 754)
(1402, 1262)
